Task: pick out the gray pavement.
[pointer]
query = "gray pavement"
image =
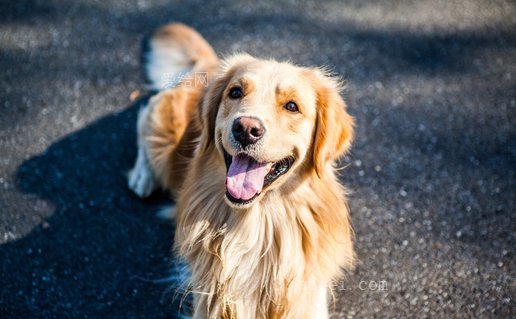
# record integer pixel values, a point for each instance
(432, 85)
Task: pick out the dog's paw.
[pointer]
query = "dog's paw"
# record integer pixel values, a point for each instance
(141, 178)
(167, 212)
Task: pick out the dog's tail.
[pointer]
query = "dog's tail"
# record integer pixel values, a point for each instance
(176, 53)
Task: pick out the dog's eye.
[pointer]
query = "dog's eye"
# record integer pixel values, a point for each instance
(292, 107)
(236, 93)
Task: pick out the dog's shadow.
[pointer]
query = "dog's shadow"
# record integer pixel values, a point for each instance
(102, 251)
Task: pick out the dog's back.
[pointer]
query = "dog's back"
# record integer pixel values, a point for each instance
(178, 64)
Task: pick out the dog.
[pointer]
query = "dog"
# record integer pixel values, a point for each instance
(262, 220)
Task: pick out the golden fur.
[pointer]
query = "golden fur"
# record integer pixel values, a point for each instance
(277, 256)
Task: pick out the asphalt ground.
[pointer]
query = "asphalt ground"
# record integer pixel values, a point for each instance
(432, 172)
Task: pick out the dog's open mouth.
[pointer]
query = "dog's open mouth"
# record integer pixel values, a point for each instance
(246, 177)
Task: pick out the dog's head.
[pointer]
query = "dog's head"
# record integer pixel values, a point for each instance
(271, 121)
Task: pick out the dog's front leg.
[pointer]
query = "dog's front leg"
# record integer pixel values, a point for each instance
(141, 177)
(321, 304)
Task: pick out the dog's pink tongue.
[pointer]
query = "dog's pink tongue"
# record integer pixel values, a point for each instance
(245, 177)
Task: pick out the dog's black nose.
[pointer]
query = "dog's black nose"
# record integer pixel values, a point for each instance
(247, 130)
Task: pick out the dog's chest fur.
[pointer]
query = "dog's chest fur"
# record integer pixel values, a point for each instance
(253, 263)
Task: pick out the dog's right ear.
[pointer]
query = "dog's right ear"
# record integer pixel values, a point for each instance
(213, 97)
(334, 126)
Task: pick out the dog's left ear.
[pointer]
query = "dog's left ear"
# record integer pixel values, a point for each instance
(334, 126)
(209, 108)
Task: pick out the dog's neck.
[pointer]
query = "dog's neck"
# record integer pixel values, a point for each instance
(260, 253)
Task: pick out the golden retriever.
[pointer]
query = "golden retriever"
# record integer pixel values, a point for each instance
(262, 220)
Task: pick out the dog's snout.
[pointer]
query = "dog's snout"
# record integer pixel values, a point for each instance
(247, 130)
